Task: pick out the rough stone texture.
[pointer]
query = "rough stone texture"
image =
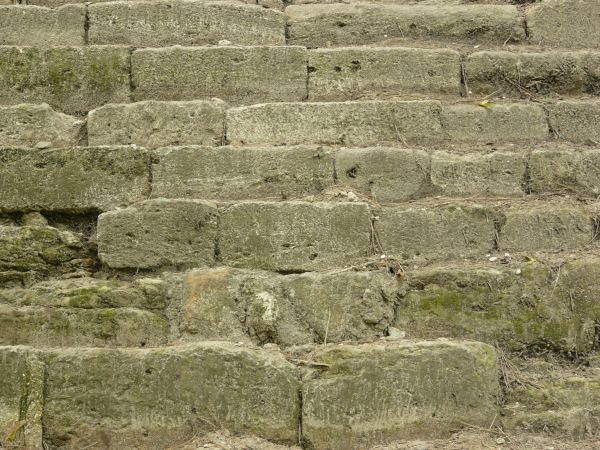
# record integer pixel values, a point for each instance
(21, 397)
(500, 123)
(493, 174)
(230, 173)
(294, 235)
(72, 179)
(155, 124)
(344, 123)
(240, 305)
(363, 23)
(380, 393)
(163, 23)
(436, 232)
(385, 174)
(157, 233)
(564, 23)
(102, 327)
(565, 170)
(238, 75)
(353, 73)
(32, 25)
(530, 307)
(161, 396)
(576, 121)
(526, 74)
(544, 228)
(71, 79)
(89, 293)
(27, 125)
(34, 252)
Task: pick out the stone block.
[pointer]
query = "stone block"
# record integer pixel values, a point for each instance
(156, 124)
(72, 179)
(36, 26)
(294, 235)
(164, 23)
(238, 75)
(159, 232)
(228, 173)
(71, 79)
(576, 121)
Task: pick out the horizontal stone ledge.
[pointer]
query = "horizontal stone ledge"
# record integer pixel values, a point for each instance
(368, 123)
(72, 179)
(73, 80)
(238, 75)
(502, 73)
(358, 72)
(156, 124)
(364, 23)
(576, 121)
(37, 26)
(174, 22)
(28, 125)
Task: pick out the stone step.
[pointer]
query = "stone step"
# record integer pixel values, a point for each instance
(533, 307)
(327, 25)
(296, 236)
(369, 123)
(197, 387)
(275, 4)
(84, 312)
(78, 79)
(97, 179)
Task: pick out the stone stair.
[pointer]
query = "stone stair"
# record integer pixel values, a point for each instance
(318, 224)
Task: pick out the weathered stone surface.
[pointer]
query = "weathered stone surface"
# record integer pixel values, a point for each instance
(240, 305)
(27, 125)
(156, 124)
(525, 74)
(545, 228)
(364, 23)
(565, 170)
(89, 293)
(293, 235)
(238, 75)
(151, 398)
(21, 398)
(39, 252)
(230, 173)
(103, 327)
(379, 393)
(386, 174)
(171, 22)
(493, 174)
(32, 25)
(158, 233)
(529, 308)
(346, 123)
(72, 179)
(564, 23)
(71, 79)
(353, 73)
(436, 232)
(557, 401)
(501, 123)
(576, 121)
